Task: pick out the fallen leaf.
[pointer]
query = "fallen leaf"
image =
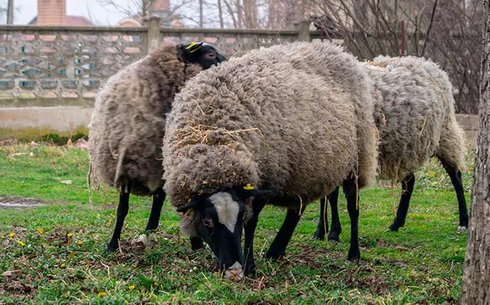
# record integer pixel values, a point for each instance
(11, 272)
(17, 154)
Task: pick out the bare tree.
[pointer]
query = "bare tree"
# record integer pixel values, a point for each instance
(143, 8)
(446, 31)
(476, 278)
(283, 14)
(10, 12)
(220, 14)
(201, 13)
(130, 8)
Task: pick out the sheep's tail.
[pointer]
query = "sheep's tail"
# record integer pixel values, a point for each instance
(119, 167)
(90, 179)
(452, 146)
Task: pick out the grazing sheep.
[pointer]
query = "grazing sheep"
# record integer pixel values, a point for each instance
(128, 121)
(414, 113)
(292, 121)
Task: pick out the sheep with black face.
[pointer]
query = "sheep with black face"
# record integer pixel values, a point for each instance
(283, 125)
(127, 125)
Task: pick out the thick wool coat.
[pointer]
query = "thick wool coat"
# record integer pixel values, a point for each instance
(127, 125)
(414, 113)
(296, 119)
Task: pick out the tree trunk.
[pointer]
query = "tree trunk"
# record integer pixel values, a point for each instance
(476, 277)
(201, 14)
(10, 12)
(220, 14)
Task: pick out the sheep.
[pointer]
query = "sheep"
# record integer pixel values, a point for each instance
(282, 125)
(414, 113)
(126, 127)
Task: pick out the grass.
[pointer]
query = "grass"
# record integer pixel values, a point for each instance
(54, 254)
(26, 135)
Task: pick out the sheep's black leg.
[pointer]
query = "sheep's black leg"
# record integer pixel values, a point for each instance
(322, 227)
(122, 211)
(457, 182)
(156, 210)
(323, 221)
(401, 214)
(352, 195)
(280, 242)
(196, 243)
(335, 227)
(249, 265)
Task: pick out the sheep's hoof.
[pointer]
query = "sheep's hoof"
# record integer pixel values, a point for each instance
(249, 269)
(462, 229)
(354, 256)
(334, 236)
(319, 236)
(196, 243)
(274, 255)
(112, 247)
(394, 227)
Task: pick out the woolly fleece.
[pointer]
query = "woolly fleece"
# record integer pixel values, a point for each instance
(127, 125)
(414, 113)
(295, 119)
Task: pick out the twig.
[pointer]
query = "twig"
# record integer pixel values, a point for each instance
(430, 27)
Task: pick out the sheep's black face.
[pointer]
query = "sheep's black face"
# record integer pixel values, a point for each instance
(201, 53)
(219, 222)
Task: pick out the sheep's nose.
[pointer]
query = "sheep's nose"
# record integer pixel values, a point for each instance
(235, 272)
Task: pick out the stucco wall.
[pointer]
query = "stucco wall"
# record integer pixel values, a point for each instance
(60, 118)
(67, 118)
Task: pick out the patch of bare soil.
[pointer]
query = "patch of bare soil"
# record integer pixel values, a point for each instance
(19, 202)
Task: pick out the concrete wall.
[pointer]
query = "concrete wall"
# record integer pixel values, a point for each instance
(68, 118)
(61, 118)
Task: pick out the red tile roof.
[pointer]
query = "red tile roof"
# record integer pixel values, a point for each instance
(77, 21)
(70, 20)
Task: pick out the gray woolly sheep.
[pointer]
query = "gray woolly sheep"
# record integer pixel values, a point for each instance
(292, 121)
(414, 113)
(128, 121)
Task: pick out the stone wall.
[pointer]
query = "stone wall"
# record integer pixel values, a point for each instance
(49, 75)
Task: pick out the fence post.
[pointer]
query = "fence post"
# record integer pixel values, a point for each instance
(153, 36)
(303, 28)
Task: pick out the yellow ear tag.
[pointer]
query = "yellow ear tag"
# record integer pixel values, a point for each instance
(189, 212)
(248, 187)
(191, 45)
(194, 46)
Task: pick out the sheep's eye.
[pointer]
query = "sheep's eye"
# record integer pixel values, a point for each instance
(210, 55)
(208, 222)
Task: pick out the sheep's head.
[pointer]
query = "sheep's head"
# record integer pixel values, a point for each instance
(200, 53)
(219, 219)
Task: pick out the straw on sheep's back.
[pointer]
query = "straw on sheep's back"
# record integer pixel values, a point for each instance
(295, 119)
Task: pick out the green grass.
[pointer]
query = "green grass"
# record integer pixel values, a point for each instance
(54, 254)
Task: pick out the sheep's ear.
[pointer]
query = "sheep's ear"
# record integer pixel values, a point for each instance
(248, 190)
(221, 58)
(193, 47)
(187, 209)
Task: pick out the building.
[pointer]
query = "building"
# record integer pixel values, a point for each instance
(53, 12)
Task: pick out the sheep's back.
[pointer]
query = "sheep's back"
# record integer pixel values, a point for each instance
(412, 108)
(128, 122)
(263, 119)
